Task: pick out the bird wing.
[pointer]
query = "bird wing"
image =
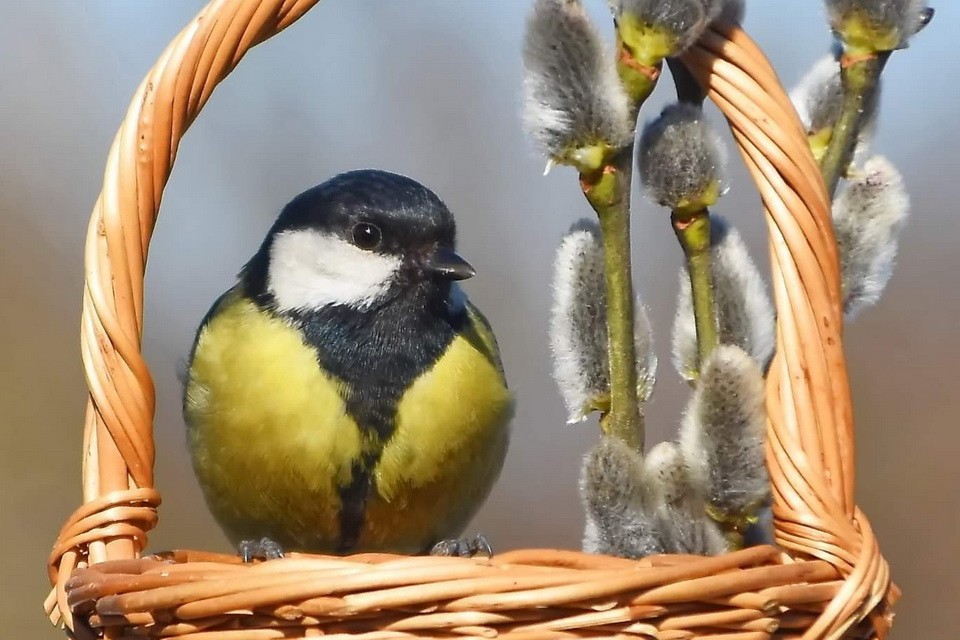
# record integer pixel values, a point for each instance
(479, 333)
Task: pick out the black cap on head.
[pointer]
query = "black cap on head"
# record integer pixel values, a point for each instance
(408, 214)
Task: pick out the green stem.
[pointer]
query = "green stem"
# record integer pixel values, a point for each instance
(638, 79)
(693, 232)
(859, 79)
(608, 192)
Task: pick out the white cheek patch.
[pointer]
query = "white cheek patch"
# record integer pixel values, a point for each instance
(310, 269)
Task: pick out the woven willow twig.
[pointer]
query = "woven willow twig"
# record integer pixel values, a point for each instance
(829, 582)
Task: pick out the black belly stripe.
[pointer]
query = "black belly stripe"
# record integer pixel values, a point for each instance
(377, 354)
(353, 505)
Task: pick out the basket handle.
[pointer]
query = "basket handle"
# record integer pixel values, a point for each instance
(118, 447)
(809, 439)
(809, 435)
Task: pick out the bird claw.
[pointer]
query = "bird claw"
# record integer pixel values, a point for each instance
(463, 548)
(262, 549)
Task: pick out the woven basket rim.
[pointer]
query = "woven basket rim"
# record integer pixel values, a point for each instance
(826, 580)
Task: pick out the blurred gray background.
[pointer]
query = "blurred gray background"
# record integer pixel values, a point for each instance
(428, 88)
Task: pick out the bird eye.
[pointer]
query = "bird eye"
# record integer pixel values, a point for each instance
(366, 236)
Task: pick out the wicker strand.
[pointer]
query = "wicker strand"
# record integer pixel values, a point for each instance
(834, 585)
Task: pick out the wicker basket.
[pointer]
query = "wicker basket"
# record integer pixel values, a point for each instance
(827, 579)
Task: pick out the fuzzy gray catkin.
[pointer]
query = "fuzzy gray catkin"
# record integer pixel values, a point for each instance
(572, 94)
(684, 19)
(621, 519)
(680, 158)
(868, 215)
(744, 313)
(902, 17)
(578, 325)
(818, 99)
(722, 432)
(682, 523)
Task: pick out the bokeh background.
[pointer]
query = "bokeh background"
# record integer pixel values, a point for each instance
(429, 88)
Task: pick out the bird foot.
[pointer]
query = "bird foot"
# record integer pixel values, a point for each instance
(262, 549)
(463, 548)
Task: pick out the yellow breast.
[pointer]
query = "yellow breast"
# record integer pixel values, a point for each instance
(272, 441)
(448, 450)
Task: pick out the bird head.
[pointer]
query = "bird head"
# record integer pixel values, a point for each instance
(358, 240)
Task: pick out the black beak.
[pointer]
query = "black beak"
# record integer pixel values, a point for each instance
(446, 264)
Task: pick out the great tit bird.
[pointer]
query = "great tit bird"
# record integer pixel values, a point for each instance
(345, 395)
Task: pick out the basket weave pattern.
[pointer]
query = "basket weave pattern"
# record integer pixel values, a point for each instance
(827, 579)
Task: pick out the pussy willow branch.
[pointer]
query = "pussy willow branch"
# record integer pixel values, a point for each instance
(638, 79)
(687, 87)
(860, 77)
(608, 192)
(693, 232)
